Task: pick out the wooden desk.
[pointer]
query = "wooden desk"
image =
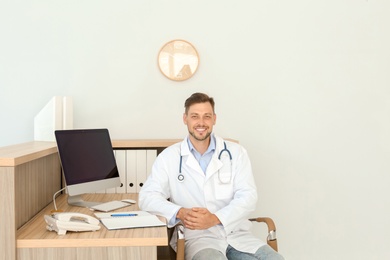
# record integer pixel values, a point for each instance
(35, 242)
(30, 173)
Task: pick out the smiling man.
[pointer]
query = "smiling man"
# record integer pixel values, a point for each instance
(211, 190)
(200, 119)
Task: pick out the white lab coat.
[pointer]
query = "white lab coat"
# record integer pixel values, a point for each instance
(232, 202)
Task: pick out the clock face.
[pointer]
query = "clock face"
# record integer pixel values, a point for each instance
(178, 60)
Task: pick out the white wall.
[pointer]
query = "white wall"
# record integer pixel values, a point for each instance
(304, 86)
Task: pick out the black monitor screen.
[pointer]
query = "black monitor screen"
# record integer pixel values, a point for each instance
(86, 155)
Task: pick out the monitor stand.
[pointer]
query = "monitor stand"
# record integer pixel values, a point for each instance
(78, 201)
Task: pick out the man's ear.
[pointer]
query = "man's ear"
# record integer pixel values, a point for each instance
(215, 119)
(185, 118)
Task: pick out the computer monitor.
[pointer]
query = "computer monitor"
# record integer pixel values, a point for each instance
(88, 163)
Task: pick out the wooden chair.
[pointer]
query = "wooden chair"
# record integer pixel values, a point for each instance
(179, 255)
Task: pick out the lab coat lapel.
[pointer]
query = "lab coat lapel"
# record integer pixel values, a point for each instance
(188, 159)
(194, 165)
(215, 163)
(213, 167)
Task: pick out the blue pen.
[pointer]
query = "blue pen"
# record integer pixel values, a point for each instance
(123, 215)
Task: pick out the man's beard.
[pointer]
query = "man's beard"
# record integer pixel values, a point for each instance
(200, 139)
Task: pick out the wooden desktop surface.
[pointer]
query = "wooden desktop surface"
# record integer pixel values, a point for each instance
(35, 234)
(21, 153)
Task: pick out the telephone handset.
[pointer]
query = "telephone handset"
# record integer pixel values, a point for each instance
(71, 221)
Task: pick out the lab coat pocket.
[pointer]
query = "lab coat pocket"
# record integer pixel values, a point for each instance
(223, 190)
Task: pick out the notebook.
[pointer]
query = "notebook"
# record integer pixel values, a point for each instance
(129, 219)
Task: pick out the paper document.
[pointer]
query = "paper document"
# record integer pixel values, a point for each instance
(129, 219)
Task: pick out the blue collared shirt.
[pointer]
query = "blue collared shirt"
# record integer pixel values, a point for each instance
(203, 159)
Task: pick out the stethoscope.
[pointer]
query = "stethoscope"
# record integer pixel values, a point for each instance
(180, 177)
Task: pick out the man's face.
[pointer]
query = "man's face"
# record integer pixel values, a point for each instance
(200, 120)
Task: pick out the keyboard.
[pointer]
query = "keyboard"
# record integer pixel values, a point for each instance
(110, 206)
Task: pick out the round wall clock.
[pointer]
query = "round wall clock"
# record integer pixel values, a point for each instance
(178, 60)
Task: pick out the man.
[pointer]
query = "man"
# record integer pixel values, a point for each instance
(210, 187)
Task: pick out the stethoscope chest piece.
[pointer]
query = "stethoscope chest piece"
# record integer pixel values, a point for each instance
(180, 177)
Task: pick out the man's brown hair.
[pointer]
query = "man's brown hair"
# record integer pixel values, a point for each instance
(198, 98)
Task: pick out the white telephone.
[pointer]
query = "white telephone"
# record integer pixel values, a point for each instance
(71, 221)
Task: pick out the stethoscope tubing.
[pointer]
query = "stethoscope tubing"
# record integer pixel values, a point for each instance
(224, 150)
(180, 177)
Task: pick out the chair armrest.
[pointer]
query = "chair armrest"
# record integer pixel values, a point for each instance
(271, 238)
(177, 232)
(180, 242)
